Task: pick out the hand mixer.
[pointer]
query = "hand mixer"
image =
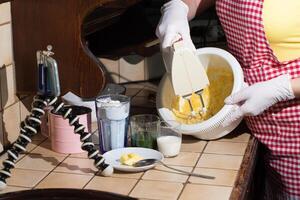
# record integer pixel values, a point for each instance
(187, 74)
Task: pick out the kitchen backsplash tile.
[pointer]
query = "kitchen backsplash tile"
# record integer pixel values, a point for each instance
(6, 53)
(132, 68)
(1, 132)
(25, 106)
(5, 15)
(112, 68)
(154, 66)
(8, 86)
(11, 121)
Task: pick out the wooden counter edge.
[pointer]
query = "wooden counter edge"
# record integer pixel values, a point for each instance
(244, 179)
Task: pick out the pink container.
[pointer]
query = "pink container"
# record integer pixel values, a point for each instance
(63, 138)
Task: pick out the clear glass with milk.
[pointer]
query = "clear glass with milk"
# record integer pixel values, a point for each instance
(169, 139)
(112, 116)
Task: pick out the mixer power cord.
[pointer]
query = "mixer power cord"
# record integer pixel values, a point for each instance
(29, 128)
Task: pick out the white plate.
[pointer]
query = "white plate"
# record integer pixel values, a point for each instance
(113, 158)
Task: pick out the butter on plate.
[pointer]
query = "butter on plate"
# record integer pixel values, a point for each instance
(130, 159)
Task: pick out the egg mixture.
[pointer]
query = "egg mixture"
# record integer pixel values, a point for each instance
(221, 83)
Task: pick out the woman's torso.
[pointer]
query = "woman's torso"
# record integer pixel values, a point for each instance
(243, 24)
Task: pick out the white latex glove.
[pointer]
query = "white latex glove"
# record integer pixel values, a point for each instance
(255, 99)
(174, 24)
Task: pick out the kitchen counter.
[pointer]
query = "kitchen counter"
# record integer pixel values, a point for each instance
(228, 159)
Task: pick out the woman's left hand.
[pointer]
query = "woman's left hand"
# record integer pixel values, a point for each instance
(258, 97)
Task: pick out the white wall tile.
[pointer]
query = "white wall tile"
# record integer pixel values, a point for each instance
(5, 13)
(25, 107)
(154, 66)
(6, 53)
(132, 68)
(112, 68)
(8, 86)
(11, 123)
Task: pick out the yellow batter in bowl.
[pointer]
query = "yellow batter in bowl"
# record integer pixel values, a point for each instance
(221, 83)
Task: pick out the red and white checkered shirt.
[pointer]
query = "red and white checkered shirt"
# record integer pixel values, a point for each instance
(279, 126)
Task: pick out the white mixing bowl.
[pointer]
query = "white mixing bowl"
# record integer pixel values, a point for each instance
(211, 128)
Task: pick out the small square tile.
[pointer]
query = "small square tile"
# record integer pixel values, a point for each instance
(39, 162)
(44, 149)
(244, 137)
(13, 189)
(79, 155)
(8, 86)
(110, 184)
(5, 15)
(225, 148)
(205, 192)
(112, 67)
(6, 53)
(26, 178)
(220, 161)
(131, 68)
(63, 180)
(11, 123)
(161, 173)
(157, 190)
(222, 177)
(77, 166)
(192, 145)
(183, 159)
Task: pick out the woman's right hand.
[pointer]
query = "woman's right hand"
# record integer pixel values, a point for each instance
(174, 25)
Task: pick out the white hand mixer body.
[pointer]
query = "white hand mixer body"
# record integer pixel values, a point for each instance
(187, 73)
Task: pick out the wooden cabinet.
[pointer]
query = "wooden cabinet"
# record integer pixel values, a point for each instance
(66, 24)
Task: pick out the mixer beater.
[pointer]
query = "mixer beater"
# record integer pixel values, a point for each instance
(188, 75)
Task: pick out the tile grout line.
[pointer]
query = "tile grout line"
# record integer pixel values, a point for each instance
(5, 23)
(135, 95)
(90, 180)
(50, 172)
(187, 180)
(138, 180)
